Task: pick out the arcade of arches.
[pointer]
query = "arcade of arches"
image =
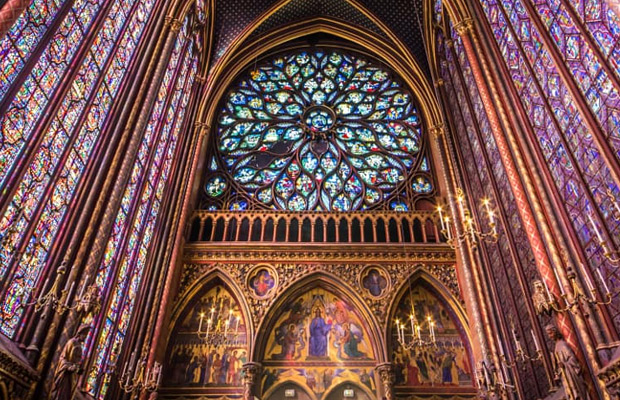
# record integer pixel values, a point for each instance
(309, 199)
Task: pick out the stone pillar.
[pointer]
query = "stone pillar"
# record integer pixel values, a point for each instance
(250, 378)
(387, 377)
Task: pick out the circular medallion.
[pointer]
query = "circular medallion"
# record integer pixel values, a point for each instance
(319, 119)
(262, 282)
(375, 282)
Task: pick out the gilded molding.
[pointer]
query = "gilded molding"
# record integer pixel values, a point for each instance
(174, 24)
(438, 130)
(464, 27)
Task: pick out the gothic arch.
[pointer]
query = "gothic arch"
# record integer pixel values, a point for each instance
(198, 287)
(334, 390)
(238, 57)
(333, 285)
(281, 386)
(443, 294)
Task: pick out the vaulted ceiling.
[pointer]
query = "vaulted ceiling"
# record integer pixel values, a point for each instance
(401, 19)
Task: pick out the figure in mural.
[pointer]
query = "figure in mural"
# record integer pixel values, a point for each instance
(375, 283)
(349, 342)
(567, 367)
(262, 283)
(69, 367)
(319, 330)
(447, 363)
(288, 343)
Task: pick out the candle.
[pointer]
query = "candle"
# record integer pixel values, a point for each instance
(125, 368)
(535, 340)
(486, 373)
(557, 278)
(202, 315)
(418, 333)
(69, 294)
(499, 346)
(84, 286)
(448, 230)
(586, 276)
(237, 325)
(598, 233)
(505, 371)
(443, 226)
(159, 368)
(226, 328)
(547, 290)
(212, 312)
(600, 276)
(514, 337)
(208, 328)
(402, 332)
(43, 288)
(412, 324)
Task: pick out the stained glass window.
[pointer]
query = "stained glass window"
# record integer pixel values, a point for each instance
(126, 251)
(319, 130)
(69, 130)
(535, 59)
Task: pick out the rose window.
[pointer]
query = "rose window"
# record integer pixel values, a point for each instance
(320, 130)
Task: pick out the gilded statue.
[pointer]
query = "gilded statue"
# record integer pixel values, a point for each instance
(567, 367)
(69, 367)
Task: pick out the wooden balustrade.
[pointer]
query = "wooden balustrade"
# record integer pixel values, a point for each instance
(314, 227)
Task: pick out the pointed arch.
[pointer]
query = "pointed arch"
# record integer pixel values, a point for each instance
(442, 292)
(238, 57)
(334, 285)
(200, 286)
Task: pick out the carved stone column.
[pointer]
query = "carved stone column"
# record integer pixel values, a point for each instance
(251, 373)
(387, 377)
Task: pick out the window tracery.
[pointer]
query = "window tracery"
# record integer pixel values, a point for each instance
(318, 130)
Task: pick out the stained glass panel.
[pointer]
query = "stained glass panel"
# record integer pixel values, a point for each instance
(320, 130)
(46, 190)
(160, 142)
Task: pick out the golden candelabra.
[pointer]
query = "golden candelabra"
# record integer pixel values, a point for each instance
(470, 232)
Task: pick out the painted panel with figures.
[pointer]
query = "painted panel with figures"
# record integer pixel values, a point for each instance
(209, 345)
(446, 362)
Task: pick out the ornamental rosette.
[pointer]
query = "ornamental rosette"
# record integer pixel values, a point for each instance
(320, 130)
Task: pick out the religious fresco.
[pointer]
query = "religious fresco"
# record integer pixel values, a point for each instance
(375, 281)
(318, 341)
(262, 282)
(208, 354)
(447, 363)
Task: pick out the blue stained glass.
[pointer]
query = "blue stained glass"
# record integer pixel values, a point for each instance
(318, 130)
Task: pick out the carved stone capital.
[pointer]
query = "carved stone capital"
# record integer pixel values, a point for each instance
(464, 27)
(439, 82)
(173, 23)
(387, 377)
(438, 130)
(250, 377)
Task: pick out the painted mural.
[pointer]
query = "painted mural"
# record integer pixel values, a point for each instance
(447, 362)
(209, 346)
(317, 342)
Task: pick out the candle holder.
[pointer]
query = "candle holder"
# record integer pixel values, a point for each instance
(547, 302)
(470, 232)
(416, 340)
(88, 299)
(612, 255)
(136, 378)
(492, 381)
(217, 331)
